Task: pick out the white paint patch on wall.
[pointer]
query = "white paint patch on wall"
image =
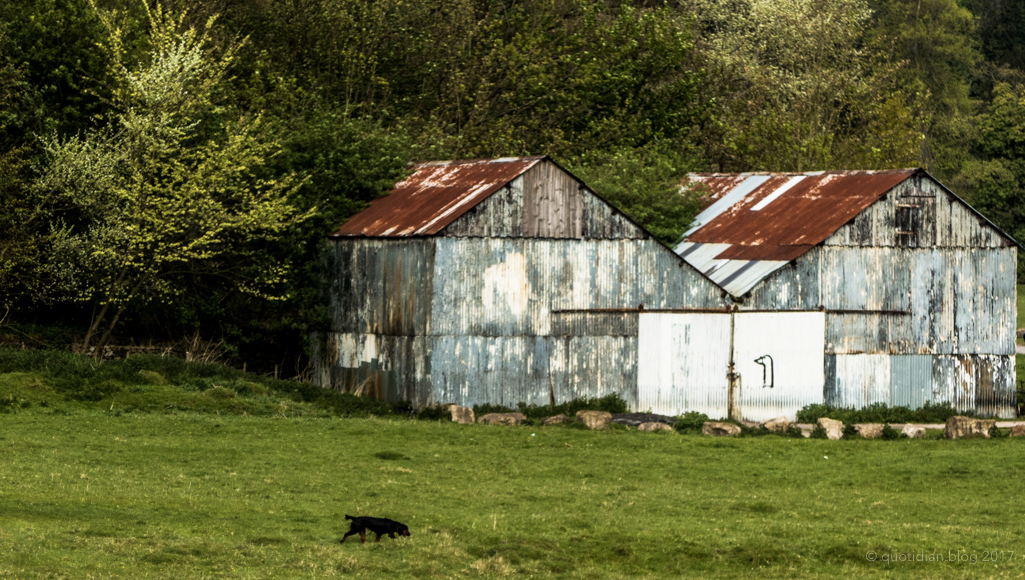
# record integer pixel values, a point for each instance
(506, 286)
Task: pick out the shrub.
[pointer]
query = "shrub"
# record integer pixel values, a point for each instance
(481, 410)
(889, 433)
(436, 414)
(819, 433)
(690, 422)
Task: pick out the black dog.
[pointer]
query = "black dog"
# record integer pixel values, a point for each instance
(379, 526)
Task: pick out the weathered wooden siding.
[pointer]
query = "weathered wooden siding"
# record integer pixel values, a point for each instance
(545, 202)
(944, 221)
(381, 286)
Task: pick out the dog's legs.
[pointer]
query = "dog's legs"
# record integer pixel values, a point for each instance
(378, 537)
(346, 536)
(363, 536)
(391, 535)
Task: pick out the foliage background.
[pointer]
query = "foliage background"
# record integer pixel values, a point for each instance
(629, 95)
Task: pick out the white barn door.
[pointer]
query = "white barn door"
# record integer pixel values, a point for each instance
(683, 362)
(792, 344)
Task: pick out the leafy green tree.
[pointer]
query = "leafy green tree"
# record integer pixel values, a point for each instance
(935, 43)
(797, 90)
(993, 179)
(170, 187)
(645, 184)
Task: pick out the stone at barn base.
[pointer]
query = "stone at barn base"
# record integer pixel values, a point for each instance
(959, 426)
(595, 419)
(833, 428)
(461, 415)
(559, 419)
(717, 429)
(653, 426)
(913, 432)
(502, 419)
(1018, 431)
(635, 419)
(777, 425)
(869, 430)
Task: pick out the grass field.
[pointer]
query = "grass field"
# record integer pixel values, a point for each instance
(87, 494)
(156, 468)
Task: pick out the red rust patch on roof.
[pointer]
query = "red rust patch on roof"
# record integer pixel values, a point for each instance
(800, 218)
(434, 196)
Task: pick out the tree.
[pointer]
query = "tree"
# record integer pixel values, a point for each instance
(170, 187)
(645, 184)
(993, 179)
(934, 42)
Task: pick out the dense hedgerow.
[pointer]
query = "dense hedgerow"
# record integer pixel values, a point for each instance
(879, 413)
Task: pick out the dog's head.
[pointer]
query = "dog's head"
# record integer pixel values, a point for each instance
(405, 531)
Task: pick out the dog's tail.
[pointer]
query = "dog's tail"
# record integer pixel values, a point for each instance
(349, 517)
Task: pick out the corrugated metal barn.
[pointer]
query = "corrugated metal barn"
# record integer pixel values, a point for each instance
(861, 287)
(507, 281)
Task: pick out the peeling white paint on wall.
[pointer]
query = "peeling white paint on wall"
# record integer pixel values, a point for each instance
(506, 286)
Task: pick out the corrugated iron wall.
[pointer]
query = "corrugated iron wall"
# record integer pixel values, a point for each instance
(495, 290)
(977, 383)
(380, 304)
(683, 361)
(945, 288)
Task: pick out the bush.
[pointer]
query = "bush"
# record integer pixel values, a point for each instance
(481, 410)
(435, 414)
(690, 422)
(889, 433)
(819, 433)
(849, 432)
(791, 431)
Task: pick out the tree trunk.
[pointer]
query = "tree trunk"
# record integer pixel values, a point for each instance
(92, 329)
(106, 333)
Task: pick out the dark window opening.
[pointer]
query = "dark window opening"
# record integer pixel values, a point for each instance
(909, 224)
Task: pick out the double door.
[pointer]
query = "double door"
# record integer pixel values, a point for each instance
(748, 366)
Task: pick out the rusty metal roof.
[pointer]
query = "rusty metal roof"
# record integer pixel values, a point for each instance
(755, 223)
(434, 196)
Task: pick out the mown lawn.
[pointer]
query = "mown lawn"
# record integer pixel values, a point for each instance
(88, 494)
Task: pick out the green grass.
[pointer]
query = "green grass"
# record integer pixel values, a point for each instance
(86, 491)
